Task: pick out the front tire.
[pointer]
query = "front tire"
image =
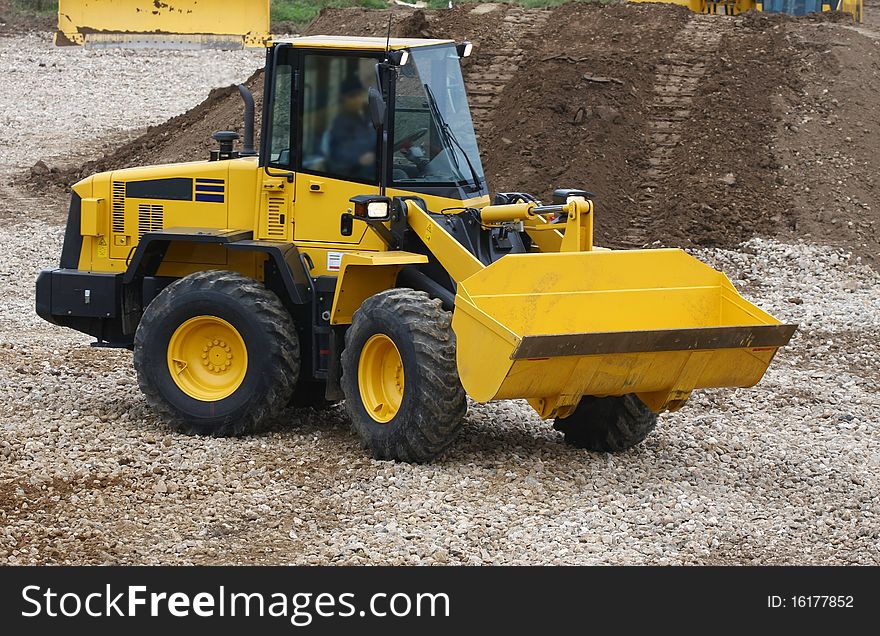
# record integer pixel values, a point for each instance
(399, 376)
(607, 424)
(216, 353)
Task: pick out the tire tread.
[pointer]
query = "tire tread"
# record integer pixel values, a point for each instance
(607, 424)
(441, 401)
(283, 356)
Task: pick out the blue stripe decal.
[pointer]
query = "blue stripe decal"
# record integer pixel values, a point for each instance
(210, 198)
(208, 188)
(209, 181)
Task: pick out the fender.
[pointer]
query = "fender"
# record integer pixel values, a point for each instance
(108, 306)
(362, 274)
(284, 257)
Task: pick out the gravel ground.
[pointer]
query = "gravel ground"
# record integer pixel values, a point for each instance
(783, 473)
(61, 100)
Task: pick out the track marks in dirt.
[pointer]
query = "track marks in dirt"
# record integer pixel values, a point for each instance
(496, 66)
(676, 83)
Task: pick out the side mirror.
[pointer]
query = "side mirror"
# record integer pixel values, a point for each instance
(346, 225)
(377, 108)
(371, 208)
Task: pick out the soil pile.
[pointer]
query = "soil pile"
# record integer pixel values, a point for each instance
(186, 137)
(778, 138)
(574, 114)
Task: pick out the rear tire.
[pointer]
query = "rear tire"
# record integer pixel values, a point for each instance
(405, 399)
(209, 308)
(608, 424)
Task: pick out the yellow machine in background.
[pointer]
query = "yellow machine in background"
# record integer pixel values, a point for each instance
(186, 24)
(358, 255)
(789, 7)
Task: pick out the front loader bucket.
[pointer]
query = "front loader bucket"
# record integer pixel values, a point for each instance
(555, 327)
(173, 24)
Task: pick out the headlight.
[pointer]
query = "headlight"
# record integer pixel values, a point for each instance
(371, 206)
(377, 210)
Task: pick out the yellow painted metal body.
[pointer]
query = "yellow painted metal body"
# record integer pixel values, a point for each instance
(362, 43)
(112, 223)
(566, 291)
(619, 298)
(598, 322)
(551, 326)
(381, 378)
(363, 274)
(207, 358)
(195, 24)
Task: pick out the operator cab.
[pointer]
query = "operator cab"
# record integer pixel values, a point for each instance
(371, 113)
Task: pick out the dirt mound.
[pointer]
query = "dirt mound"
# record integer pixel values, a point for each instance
(691, 130)
(721, 187)
(186, 137)
(782, 140)
(827, 136)
(574, 114)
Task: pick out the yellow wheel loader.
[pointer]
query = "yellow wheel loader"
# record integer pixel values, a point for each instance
(358, 256)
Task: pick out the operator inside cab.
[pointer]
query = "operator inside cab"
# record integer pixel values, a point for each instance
(352, 135)
(338, 136)
(322, 122)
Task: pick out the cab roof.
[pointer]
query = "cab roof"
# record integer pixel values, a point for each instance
(358, 43)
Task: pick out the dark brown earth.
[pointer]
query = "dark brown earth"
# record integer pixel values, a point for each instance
(780, 139)
(789, 110)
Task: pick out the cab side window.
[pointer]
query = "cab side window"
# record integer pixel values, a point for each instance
(281, 140)
(338, 137)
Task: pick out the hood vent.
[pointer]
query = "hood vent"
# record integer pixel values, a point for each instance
(118, 207)
(151, 218)
(275, 218)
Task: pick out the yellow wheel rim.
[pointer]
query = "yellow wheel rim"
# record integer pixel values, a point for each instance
(207, 358)
(380, 377)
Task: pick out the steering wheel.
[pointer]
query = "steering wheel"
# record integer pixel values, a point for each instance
(413, 136)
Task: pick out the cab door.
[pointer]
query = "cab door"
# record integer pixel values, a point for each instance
(276, 188)
(338, 154)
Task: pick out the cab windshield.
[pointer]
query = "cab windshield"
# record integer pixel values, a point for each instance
(434, 141)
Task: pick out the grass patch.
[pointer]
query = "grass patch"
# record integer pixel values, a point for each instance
(35, 7)
(301, 12)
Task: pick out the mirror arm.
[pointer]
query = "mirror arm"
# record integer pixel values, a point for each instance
(384, 233)
(346, 228)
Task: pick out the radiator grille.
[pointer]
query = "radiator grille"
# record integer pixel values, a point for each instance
(118, 207)
(275, 218)
(150, 218)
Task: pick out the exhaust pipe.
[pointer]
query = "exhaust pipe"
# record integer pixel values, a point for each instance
(249, 114)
